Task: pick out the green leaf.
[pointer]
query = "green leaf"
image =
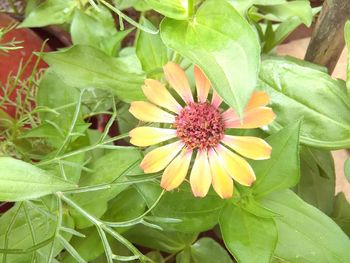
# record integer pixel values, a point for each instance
(341, 212)
(281, 33)
(347, 40)
(97, 30)
(156, 256)
(22, 181)
(287, 10)
(317, 181)
(50, 12)
(281, 171)
(119, 209)
(166, 241)
(205, 250)
(107, 169)
(247, 237)
(305, 234)
(243, 5)
(325, 110)
(150, 49)
(347, 169)
(20, 236)
(229, 58)
(176, 9)
(196, 214)
(89, 247)
(85, 66)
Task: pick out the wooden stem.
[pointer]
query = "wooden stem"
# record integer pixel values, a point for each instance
(327, 41)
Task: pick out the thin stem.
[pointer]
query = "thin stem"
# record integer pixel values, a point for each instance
(137, 219)
(100, 227)
(58, 227)
(128, 19)
(84, 149)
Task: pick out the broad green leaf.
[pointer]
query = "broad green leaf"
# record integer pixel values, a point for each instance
(247, 237)
(85, 66)
(243, 5)
(20, 236)
(305, 234)
(22, 181)
(229, 58)
(282, 12)
(97, 30)
(150, 49)
(341, 212)
(205, 250)
(89, 247)
(166, 241)
(283, 30)
(317, 181)
(176, 9)
(107, 169)
(347, 40)
(300, 92)
(50, 12)
(156, 256)
(281, 171)
(196, 214)
(127, 205)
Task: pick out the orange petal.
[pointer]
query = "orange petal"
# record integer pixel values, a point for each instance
(177, 170)
(238, 168)
(146, 136)
(202, 84)
(258, 99)
(148, 112)
(216, 100)
(254, 118)
(159, 95)
(178, 80)
(250, 147)
(222, 183)
(200, 177)
(157, 159)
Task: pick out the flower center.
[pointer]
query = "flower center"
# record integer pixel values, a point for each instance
(199, 125)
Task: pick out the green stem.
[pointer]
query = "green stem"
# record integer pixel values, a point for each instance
(84, 149)
(191, 8)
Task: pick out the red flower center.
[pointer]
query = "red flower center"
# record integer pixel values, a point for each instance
(199, 125)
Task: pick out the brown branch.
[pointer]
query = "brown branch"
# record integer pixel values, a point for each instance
(327, 41)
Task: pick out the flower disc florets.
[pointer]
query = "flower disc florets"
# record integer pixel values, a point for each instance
(199, 125)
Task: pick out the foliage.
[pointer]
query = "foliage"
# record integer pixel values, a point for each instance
(79, 193)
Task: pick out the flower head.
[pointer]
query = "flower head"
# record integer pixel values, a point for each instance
(197, 130)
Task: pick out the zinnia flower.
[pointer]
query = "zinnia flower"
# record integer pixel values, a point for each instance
(197, 130)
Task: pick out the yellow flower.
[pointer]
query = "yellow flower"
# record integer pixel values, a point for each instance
(199, 128)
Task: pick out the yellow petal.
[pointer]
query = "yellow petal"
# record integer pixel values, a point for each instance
(146, 136)
(148, 112)
(238, 168)
(157, 159)
(250, 147)
(200, 177)
(178, 80)
(177, 170)
(258, 99)
(159, 95)
(222, 183)
(254, 118)
(216, 99)
(202, 84)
